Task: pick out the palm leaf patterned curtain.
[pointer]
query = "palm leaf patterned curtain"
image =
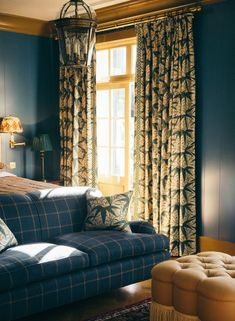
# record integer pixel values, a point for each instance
(164, 178)
(78, 126)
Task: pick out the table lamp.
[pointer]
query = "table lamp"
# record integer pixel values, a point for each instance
(42, 144)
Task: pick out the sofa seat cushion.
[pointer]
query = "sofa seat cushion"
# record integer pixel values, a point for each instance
(38, 261)
(107, 246)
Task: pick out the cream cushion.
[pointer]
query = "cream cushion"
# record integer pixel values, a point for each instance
(199, 286)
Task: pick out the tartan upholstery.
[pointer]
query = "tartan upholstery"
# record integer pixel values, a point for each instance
(61, 210)
(142, 227)
(25, 264)
(40, 296)
(107, 246)
(37, 276)
(20, 215)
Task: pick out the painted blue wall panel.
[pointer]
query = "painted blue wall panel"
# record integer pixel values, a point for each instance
(215, 66)
(29, 90)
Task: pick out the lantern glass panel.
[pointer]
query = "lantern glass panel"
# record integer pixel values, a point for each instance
(76, 33)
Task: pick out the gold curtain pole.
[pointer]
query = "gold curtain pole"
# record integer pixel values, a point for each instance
(151, 16)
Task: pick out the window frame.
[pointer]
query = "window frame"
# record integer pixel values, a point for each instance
(118, 82)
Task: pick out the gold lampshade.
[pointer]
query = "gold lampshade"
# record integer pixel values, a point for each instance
(11, 124)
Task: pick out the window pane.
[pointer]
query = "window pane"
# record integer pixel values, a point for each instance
(102, 97)
(133, 58)
(118, 133)
(118, 61)
(103, 162)
(102, 65)
(118, 162)
(118, 103)
(115, 116)
(131, 134)
(102, 132)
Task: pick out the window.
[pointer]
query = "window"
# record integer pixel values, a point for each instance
(115, 114)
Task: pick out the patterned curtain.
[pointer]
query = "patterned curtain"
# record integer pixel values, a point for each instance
(78, 126)
(164, 179)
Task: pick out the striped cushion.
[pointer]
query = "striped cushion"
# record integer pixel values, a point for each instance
(34, 262)
(107, 246)
(20, 215)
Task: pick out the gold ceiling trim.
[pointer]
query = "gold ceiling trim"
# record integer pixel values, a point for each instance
(113, 17)
(159, 14)
(25, 25)
(137, 11)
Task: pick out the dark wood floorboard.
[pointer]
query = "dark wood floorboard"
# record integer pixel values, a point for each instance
(82, 310)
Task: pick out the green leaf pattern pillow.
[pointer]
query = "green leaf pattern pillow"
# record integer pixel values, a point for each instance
(7, 238)
(108, 212)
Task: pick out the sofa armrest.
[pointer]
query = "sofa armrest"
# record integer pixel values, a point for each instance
(142, 227)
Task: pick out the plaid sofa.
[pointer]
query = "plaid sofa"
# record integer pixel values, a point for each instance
(56, 262)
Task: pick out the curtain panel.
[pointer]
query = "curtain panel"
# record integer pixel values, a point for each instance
(164, 157)
(78, 126)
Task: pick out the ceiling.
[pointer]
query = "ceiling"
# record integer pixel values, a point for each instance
(45, 9)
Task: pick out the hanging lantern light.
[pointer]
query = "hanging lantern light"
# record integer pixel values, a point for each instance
(76, 29)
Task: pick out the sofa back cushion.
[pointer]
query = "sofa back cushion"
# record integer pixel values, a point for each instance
(20, 215)
(61, 211)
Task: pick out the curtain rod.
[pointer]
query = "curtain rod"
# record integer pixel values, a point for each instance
(147, 17)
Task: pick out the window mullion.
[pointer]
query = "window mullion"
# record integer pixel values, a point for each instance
(128, 60)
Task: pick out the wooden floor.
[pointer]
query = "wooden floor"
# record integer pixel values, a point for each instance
(88, 308)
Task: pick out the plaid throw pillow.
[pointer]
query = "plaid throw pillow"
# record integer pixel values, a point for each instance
(7, 238)
(108, 212)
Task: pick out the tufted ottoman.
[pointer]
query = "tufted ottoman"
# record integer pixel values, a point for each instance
(194, 288)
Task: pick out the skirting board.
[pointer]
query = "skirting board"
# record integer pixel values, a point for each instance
(210, 244)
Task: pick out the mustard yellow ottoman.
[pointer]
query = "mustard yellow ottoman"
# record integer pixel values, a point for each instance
(194, 288)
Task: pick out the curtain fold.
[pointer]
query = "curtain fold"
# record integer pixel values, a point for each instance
(164, 157)
(78, 126)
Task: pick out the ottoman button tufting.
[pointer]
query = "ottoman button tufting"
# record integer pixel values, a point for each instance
(194, 288)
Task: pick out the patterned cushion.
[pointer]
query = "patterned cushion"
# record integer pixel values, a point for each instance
(7, 238)
(107, 246)
(20, 215)
(25, 264)
(108, 212)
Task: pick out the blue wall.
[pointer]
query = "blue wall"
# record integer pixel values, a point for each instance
(215, 127)
(29, 90)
